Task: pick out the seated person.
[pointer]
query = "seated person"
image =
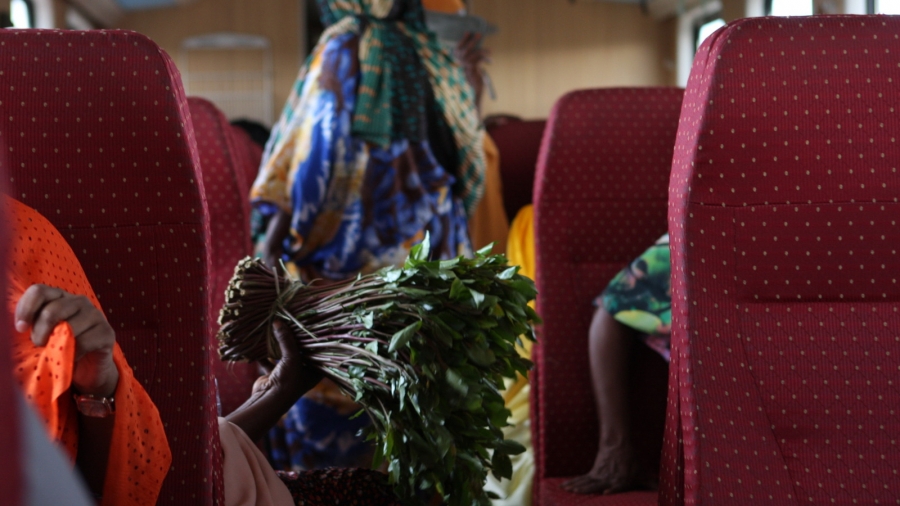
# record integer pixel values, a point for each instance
(73, 373)
(71, 370)
(636, 304)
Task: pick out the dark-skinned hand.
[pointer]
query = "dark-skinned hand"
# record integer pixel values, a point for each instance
(42, 308)
(274, 393)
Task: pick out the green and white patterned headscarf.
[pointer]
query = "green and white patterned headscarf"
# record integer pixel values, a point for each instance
(399, 57)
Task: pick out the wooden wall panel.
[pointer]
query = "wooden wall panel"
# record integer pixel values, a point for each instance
(278, 20)
(544, 49)
(548, 47)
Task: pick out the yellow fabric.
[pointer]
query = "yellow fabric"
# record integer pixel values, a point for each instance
(489, 222)
(517, 491)
(448, 6)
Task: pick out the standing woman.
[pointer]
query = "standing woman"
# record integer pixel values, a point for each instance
(379, 144)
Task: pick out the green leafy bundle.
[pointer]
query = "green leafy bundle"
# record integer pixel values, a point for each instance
(423, 348)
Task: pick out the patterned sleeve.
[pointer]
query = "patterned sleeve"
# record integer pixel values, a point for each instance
(302, 146)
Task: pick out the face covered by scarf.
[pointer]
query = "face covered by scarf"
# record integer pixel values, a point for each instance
(409, 88)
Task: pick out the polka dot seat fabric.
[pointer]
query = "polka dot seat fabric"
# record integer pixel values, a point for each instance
(600, 200)
(519, 143)
(227, 197)
(12, 484)
(99, 142)
(248, 155)
(784, 235)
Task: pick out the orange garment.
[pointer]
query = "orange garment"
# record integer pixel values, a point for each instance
(139, 452)
(448, 6)
(489, 223)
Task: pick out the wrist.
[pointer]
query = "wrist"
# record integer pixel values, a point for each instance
(101, 387)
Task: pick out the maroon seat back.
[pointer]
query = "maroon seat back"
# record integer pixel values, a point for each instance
(600, 200)
(518, 143)
(785, 226)
(11, 464)
(249, 155)
(100, 142)
(227, 196)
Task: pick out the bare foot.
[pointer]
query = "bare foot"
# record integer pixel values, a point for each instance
(615, 470)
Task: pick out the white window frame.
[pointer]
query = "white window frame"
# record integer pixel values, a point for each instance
(44, 15)
(687, 24)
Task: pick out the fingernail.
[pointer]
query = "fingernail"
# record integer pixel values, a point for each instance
(21, 325)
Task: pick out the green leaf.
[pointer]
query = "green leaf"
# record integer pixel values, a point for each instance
(402, 337)
(477, 297)
(473, 402)
(392, 275)
(389, 443)
(421, 251)
(456, 381)
(394, 471)
(501, 465)
(449, 264)
(458, 290)
(481, 356)
(508, 273)
(378, 458)
(415, 293)
(510, 447)
(372, 347)
(485, 251)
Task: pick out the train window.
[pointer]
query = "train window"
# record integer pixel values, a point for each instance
(75, 20)
(21, 12)
(693, 27)
(886, 7)
(789, 7)
(232, 70)
(707, 28)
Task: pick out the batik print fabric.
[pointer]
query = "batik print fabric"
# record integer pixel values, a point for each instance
(355, 206)
(640, 296)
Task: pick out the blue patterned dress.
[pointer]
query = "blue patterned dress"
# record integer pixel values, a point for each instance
(354, 207)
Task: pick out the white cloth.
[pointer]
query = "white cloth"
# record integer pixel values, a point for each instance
(249, 479)
(45, 461)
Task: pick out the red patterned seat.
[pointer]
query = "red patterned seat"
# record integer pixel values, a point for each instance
(784, 222)
(100, 142)
(12, 464)
(519, 143)
(227, 196)
(600, 200)
(249, 155)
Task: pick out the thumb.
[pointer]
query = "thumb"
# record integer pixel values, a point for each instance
(287, 342)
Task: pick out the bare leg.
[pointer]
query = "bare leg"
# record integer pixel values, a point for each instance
(615, 469)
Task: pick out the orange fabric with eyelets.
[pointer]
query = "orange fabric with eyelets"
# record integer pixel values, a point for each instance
(139, 456)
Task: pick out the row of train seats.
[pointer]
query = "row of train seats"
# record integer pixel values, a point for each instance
(783, 216)
(781, 205)
(228, 166)
(99, 138)
(600, 198)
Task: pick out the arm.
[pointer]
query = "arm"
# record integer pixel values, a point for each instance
(274, 394)
(277, 231)
(471, 55)
(42, 308)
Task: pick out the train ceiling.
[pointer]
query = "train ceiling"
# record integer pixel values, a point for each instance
(107, 12)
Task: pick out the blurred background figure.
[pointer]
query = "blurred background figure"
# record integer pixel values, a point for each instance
(379, 147)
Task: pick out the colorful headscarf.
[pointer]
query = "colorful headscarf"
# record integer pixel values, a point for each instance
(399, 59)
